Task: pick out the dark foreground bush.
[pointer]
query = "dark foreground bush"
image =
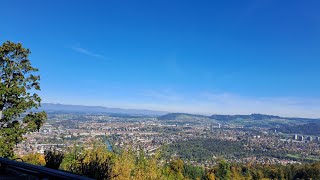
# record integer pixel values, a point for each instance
(53, 159)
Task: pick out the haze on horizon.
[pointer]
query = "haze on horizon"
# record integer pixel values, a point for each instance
(226, 57)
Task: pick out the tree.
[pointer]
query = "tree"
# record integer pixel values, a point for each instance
(223, 171)
(193, 172)
(53, 159)
(34, 158)
(124, 165)
(174, 169)
(18, 85)
(210, 174)
(95, 162)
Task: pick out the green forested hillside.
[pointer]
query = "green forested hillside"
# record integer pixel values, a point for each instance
(201, 150)
(308, 129)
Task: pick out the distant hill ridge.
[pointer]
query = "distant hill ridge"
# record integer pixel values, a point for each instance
(175, 116)
(51, 107)
(162, 115)
(257, 117)
(251, 116)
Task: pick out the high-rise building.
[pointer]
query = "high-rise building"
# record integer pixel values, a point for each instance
(295, 137)
(309, 138)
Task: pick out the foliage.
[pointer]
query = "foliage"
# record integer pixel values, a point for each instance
(99, 163)
(201, 150)
(35, 159)
(53, 159)
(193, 172)
(309, 128)
(18, 85)
(145, 168)
(124, 165)
(223, 171)
(208, 150)
(174, 169)
(95, 163)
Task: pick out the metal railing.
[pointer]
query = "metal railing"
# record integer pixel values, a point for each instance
(39, 172)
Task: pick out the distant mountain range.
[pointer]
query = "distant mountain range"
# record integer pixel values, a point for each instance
(51, 107)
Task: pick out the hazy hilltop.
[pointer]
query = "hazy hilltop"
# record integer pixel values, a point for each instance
(226, 118)
(179, 116)
(162, 115)
(51, 107)
(251, 116)
(281, 124)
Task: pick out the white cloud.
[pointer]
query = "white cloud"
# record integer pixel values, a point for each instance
(86, 52)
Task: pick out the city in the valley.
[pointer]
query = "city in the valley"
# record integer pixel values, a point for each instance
(197, 139)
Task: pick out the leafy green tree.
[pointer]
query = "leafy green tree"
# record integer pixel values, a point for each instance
(175, 169)
(223, 171)
(141, 165)
(210, 174)
(18, 85)
(193, 172)
(95, 162)
(124, 165)
(34, 158)
(257, 174)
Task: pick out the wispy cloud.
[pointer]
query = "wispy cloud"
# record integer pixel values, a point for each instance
(86, 52)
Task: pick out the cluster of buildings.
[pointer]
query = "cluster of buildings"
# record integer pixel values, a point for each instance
(266, 160)
(149, 134)
(305, 138)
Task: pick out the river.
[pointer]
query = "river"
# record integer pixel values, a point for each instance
(109, 146)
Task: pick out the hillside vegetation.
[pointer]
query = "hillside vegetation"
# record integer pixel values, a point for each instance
(99, 163)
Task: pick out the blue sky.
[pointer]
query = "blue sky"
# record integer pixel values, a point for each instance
(226, 57)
